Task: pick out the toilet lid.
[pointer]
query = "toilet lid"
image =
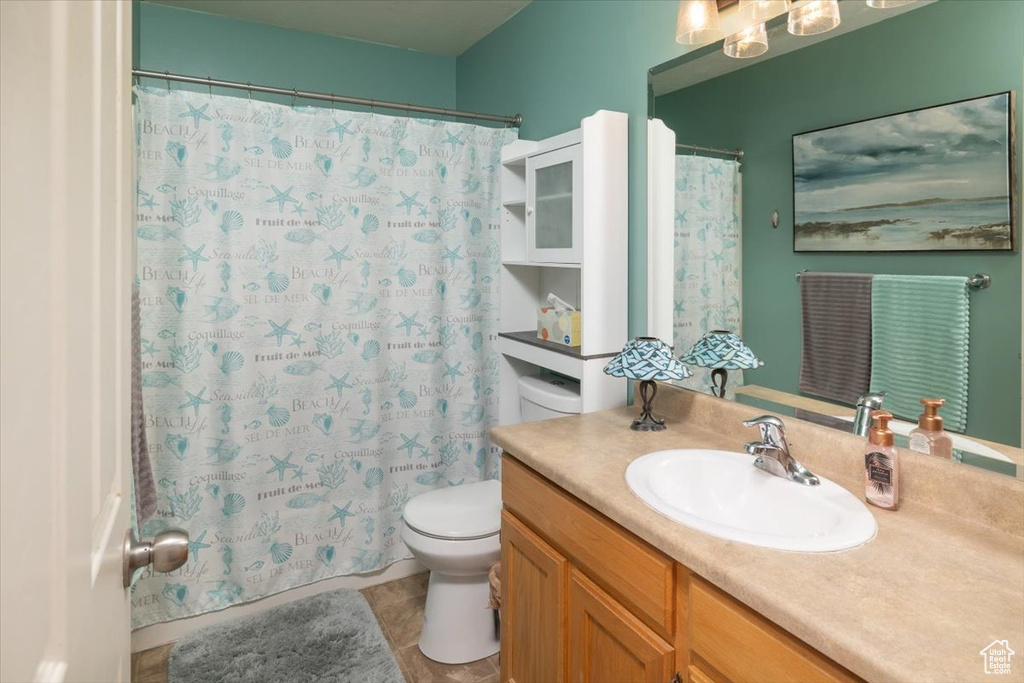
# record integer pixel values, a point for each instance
(458, 512)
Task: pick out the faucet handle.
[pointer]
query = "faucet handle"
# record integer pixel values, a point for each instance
(772, 428)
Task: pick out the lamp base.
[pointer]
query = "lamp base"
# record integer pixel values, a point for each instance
(719, 376)
(647, 422)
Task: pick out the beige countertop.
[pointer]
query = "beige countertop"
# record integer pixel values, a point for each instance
(918, 603)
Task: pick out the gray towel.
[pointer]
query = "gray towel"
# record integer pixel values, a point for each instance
(145, 489)
(836, 359)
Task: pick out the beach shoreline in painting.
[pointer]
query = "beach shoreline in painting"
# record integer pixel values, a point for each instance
(935, 179)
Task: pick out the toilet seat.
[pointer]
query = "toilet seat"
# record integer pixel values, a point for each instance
(461, 513)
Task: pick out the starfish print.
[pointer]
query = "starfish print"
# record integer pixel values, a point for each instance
(410, 442)
(299, 474)
(148, 347)
(409, 322)
(148, 202)
(338, 255)
(453, 140)
(453, 371)
(196, 114)
(424, 333)
(282, 197)
(424, 213)
(298, 341)
(341, 130)
(280, 331)
(425, 455)
(408, 201)
(193, 255)
(338, 384)
(194, 400)
(194, 546)
(341, 513)
(452, 255)
(298, 209)
(280, 466)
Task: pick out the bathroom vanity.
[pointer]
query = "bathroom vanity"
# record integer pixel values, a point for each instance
(599, 587)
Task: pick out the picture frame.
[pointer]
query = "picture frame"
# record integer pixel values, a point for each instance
(933, 179)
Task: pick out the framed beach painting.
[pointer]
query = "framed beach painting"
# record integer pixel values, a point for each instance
(933, 179)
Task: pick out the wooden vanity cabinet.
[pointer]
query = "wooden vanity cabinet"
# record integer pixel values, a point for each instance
(584, 600)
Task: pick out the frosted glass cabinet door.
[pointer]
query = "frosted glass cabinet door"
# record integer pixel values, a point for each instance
(554, 206)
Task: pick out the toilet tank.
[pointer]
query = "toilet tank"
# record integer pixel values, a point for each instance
(543, 396)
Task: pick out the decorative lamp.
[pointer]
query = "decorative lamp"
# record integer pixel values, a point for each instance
(697, 22)
(647, 359)
(759, 11)
(723, 351)
(814, 17)
(750, 42)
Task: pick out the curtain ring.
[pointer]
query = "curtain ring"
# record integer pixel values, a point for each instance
(248, 88)
(295, 93)
(372, 102)
(334, 102)
(167, 75)
(209, 86)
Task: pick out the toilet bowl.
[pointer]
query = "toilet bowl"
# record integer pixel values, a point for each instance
(454, 533)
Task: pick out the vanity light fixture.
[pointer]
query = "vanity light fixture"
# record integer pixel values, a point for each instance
(888, 4)
(750, 42)
(647, 359)
(697, 22)
(813, 18)
(722, 351)
(757, 11)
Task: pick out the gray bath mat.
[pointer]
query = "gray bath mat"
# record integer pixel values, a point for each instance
(327, 637)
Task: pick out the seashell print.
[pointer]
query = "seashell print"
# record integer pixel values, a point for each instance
(354, 210)
(324, 163)
(478, 341)
(213, 490)
(370, 224)
(407, 399)
(441, 287)
(177, 444)
(177, 151)
(282, 149)
(324, 422)
(371, 349)
(442, 406)
(177, 297)
(231, 361)
(176, 593)
(280, 552)
(476, 227)
(325, 554)
(407, 157)
(374, 477)
(233, 504)
(278, 416)
(406, 278)
(231, 221)
(277, 282)
(322, 292)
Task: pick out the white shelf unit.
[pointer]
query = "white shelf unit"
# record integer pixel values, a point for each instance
(595, 281)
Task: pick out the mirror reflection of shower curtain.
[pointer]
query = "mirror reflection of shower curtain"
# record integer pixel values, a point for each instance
(707, 256)
(319, 310)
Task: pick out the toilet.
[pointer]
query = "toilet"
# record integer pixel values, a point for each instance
(454, 533)
(544, 396)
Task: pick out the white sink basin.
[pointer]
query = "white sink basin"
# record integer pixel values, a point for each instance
(724, 495)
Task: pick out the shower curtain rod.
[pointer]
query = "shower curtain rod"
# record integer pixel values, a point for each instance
(515, 120)
(738, 153)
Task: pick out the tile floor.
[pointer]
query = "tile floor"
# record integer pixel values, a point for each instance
(398, 606)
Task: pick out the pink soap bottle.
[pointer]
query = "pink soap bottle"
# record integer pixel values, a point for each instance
(881, 464)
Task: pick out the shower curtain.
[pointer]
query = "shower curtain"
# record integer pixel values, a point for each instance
(319, 315)
(707, 257)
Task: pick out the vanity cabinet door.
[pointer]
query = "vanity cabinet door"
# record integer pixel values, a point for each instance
(534, 580)
(607, 644)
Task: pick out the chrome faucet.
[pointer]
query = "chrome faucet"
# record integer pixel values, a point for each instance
(772, 452)
(865, 404)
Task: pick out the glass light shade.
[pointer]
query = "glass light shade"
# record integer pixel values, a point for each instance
(888, 4)
(814, 17)
(697, 22)
(758, 11)
(722, 349)
(750, 42)
(647, 358)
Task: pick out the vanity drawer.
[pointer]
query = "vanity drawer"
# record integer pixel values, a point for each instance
(625, 566)
(744, 646)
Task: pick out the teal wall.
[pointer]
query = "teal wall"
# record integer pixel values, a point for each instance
(559, 61)
(199, 44)
(939, 53)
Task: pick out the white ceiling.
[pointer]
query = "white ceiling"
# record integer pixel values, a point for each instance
(440, 27)
(707, 62)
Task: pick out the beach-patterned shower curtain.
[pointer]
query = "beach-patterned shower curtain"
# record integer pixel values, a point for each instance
(319, 311)
(707, 257)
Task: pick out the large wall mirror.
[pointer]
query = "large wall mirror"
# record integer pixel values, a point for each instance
(830, 201)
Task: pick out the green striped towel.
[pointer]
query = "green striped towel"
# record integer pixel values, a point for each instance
(919, 340)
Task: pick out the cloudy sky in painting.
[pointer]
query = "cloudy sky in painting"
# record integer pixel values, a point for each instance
(955, 151)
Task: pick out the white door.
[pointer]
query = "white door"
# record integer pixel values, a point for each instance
(66, 265)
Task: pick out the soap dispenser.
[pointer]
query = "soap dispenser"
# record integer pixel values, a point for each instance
(929, 437)
(881, 464)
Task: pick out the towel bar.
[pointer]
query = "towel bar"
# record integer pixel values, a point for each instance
(978, 281)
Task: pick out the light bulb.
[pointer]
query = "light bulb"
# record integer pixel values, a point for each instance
(814, 17)
(697, 22)
(750, 42)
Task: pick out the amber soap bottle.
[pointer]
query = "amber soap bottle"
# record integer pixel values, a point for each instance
(881, 464)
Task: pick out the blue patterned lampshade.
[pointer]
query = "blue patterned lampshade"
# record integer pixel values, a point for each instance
(647, 359)
(723, 351)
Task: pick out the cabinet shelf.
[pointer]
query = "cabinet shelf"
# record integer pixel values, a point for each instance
(540, 264)
(530, 337)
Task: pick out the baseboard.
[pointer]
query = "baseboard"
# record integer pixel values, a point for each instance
(161, 634)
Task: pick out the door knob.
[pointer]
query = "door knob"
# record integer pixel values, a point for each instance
(166, 552)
